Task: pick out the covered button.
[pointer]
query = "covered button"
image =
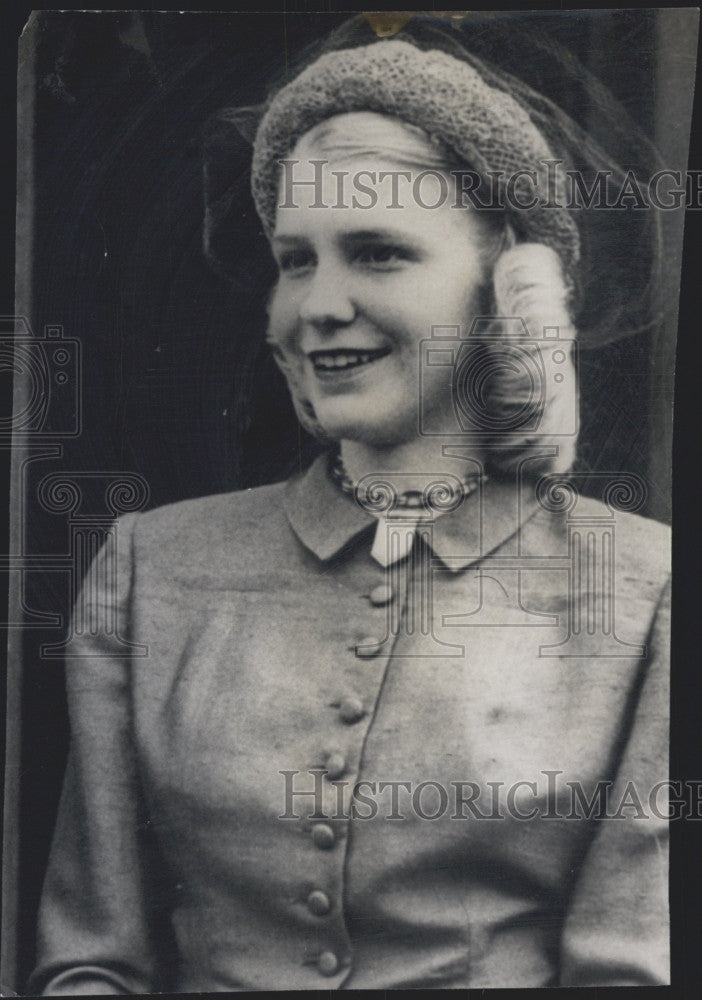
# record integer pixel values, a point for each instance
(328, 963)
(351, 709)
(319, 903)
(382, 594)
(335, 765)
(370, 646)
(323, 836)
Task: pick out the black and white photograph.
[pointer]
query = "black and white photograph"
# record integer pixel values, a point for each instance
(343, 357)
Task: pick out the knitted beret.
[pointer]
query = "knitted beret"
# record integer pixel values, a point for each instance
(446, 97)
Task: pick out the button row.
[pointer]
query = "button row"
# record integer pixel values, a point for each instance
(351, 710)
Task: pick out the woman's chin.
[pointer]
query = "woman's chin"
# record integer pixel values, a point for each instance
(367, 428)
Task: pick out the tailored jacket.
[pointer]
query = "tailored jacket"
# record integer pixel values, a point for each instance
(292, 767)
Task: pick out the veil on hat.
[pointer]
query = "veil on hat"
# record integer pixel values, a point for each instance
(618, 277)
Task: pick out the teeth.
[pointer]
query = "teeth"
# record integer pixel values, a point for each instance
(332, 362)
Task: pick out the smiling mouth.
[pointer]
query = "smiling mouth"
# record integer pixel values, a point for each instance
(344, 359)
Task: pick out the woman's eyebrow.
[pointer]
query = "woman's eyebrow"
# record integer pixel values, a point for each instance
(284, 239)
(375, 234)
(370, 234)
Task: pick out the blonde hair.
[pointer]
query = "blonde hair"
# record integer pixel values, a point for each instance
(532, 398)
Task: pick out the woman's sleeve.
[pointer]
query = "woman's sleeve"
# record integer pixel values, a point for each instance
(617, 929)
(95, 929)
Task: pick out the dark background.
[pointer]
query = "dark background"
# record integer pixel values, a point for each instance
(176, 385)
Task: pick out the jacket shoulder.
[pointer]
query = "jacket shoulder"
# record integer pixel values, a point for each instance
(210, 528)
(642, 546)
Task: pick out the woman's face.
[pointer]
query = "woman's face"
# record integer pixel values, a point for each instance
(361, 288)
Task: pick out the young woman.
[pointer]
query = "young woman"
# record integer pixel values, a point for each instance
(402, 720)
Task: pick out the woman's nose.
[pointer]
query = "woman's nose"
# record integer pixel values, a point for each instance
(327, 301)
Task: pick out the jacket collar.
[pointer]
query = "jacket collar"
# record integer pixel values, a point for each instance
(326, 520)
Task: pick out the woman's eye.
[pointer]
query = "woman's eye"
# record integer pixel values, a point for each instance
(295, 260)
(381, 255)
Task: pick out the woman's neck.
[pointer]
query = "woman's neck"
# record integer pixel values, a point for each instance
(415, 462)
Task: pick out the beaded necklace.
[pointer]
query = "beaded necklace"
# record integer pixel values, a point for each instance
(439, 496)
